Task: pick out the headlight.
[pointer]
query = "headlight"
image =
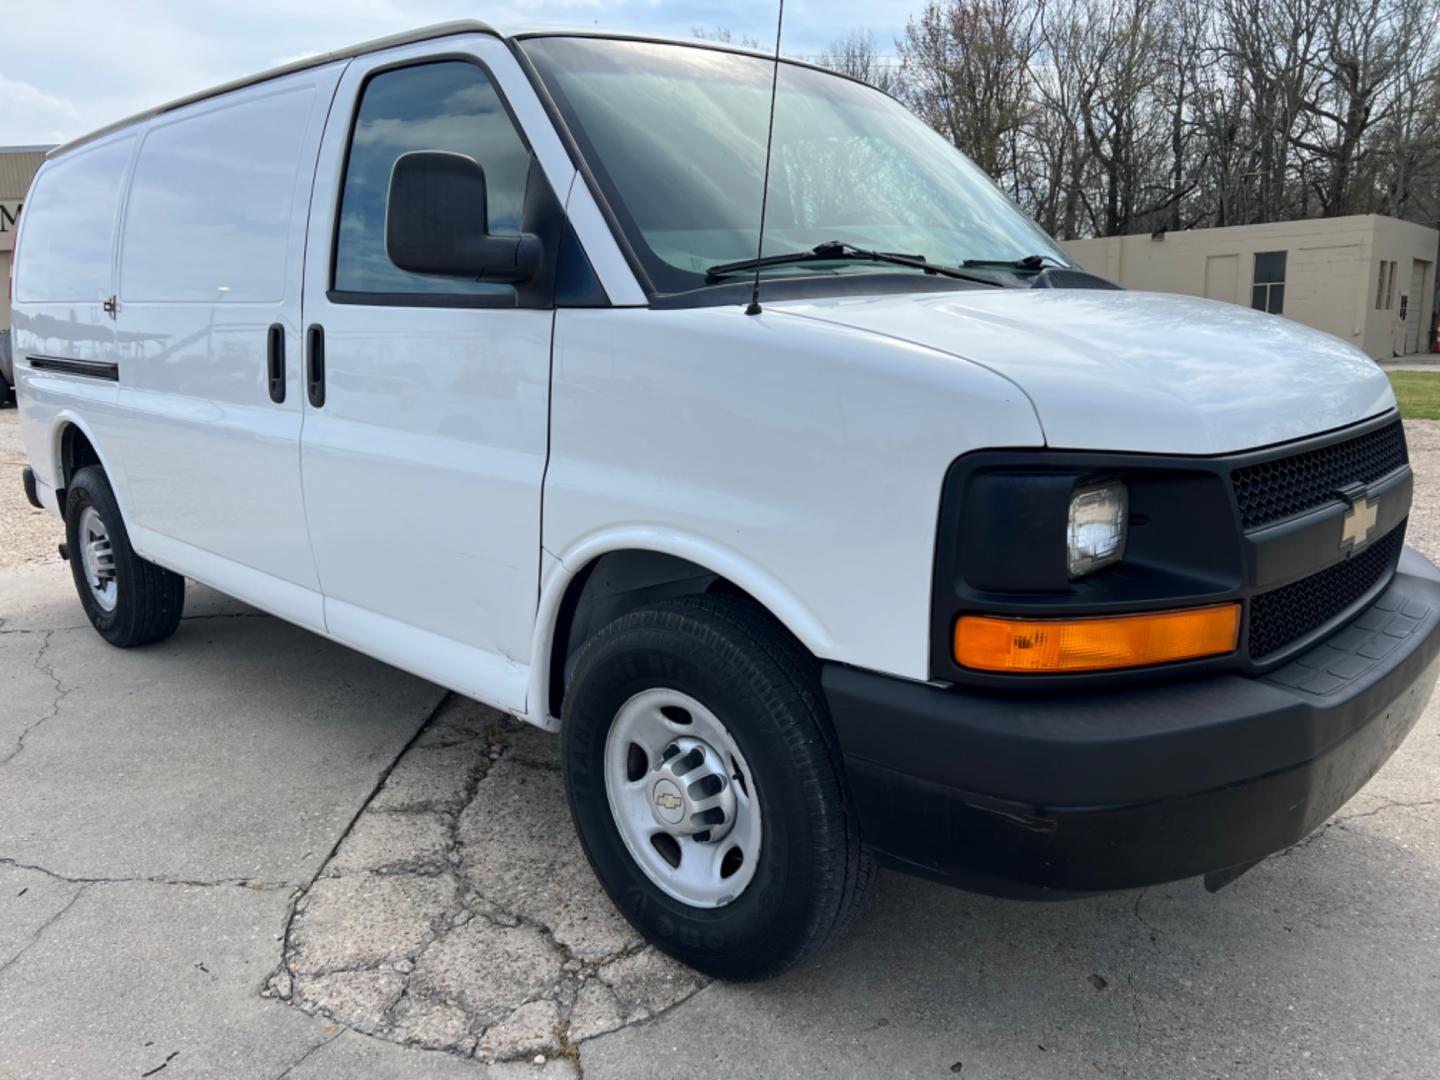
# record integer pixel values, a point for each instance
(1095, 535)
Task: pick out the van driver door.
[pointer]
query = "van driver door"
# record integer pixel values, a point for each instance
(425, 436)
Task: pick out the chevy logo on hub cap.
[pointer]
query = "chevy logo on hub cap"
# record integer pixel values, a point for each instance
(1359, 520)
(669, 805)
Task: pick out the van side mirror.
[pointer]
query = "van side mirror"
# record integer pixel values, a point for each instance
(437, 222)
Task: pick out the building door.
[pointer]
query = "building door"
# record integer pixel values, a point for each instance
(1222, 277)
(1411, 305)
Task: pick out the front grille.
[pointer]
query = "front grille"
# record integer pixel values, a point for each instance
(1273, 490)
(1288, 613)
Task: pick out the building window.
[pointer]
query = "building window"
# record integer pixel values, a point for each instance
(1268, 291)
(1385, 286)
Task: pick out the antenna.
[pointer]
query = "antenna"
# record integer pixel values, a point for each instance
(754, 308)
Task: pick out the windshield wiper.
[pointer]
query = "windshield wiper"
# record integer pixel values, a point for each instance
(1029, 262)
(835, 250)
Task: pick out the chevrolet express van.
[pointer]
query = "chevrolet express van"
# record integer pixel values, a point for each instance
(947, 557)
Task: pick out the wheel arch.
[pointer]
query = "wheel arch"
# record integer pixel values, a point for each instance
(74, 446)
(602, 578)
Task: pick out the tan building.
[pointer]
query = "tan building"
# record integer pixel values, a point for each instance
(18, 166)
(1365, 278)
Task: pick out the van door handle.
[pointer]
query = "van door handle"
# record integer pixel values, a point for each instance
(315, 378)
(275, 362)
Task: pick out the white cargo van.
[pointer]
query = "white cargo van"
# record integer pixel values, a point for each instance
(947, 555)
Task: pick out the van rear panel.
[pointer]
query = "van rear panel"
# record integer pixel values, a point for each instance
(63, 339)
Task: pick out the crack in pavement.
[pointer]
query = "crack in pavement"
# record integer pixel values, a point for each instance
(313, 1050)
(302, 891)
(1342, 823)
(1388, 804)
(61, 691)
(239, 882)
(87, 626)
(1153, 931)
(40, 930)
(533, 968)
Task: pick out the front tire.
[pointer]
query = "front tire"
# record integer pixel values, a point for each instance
(128, 600)
(707, 787)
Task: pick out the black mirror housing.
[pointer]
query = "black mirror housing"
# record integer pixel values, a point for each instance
(437, 222)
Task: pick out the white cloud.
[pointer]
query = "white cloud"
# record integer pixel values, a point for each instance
(33, 116)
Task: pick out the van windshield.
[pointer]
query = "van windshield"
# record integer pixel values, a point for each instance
(675, 137)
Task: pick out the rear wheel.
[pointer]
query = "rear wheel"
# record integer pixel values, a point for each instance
(707, 788)
(128, 600)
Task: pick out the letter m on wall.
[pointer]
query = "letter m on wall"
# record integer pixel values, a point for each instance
(9, 220)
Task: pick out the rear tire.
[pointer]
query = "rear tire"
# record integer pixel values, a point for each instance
(755, 699)
(7, 394)
(128, 600)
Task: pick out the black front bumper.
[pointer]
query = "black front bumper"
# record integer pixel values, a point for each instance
(1059, 794)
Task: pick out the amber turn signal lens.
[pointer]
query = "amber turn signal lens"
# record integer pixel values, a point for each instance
(1119, 641)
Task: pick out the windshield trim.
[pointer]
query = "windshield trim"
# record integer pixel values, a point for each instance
(692, 43)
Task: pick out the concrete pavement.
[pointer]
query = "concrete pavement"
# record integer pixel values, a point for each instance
(248, 853)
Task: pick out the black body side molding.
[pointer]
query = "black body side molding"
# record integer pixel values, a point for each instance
(91, 369)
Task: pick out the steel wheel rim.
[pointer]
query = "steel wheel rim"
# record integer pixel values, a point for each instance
(683, 798)
(97, 559)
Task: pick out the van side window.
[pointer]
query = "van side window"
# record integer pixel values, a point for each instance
(447, 105)
(71, 214)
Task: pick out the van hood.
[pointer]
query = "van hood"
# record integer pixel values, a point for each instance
(1136, 371)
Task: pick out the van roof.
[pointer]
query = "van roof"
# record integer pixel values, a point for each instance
(408, 37)
(446, 29)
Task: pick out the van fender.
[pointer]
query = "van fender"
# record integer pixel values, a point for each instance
(703, 551)
(62, 419)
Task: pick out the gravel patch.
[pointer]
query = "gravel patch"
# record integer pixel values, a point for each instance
(26, 534)
(1424, 530)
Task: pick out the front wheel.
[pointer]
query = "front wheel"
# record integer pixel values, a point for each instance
(128, 600)
(707, 787)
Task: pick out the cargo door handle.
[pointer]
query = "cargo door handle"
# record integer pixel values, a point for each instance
(275, 362)
(315, 378)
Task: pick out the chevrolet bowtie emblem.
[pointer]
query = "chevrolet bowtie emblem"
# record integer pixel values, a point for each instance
(1359, 520)
(666, 801)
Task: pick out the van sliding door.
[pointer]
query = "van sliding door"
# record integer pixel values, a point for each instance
(209, 327)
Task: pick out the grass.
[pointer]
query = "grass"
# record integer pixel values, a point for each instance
(1418, 393)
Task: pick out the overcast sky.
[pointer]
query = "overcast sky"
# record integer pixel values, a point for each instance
(70, 66)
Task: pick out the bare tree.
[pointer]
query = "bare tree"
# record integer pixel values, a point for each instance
(857, 55)
(1115, 116)
(966, 71)
(724, 36)
(1057, 160)
(1367, 52)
